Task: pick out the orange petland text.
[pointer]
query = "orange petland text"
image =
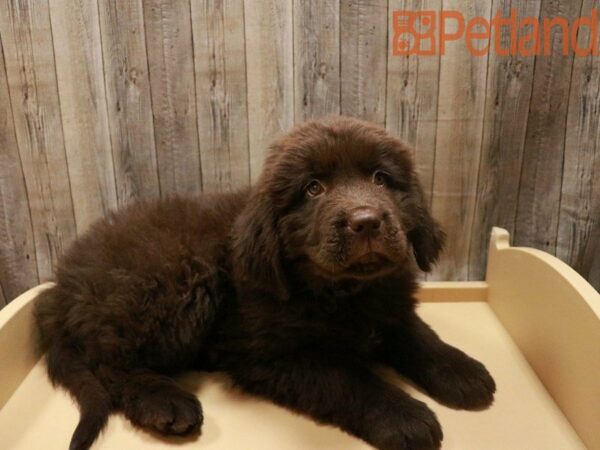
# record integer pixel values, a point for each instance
(427, 33)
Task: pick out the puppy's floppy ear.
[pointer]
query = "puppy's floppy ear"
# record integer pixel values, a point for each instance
(256, 246)
(426, 235)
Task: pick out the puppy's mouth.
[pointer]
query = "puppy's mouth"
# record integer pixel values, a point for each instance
(359, 259)
(369, 264)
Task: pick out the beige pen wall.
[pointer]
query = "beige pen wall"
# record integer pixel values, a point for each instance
(106, 101)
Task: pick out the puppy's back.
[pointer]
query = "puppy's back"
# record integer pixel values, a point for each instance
(147, 249)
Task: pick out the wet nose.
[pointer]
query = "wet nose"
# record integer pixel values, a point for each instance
(365, 221)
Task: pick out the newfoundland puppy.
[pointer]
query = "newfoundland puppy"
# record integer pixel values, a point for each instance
(297, 288)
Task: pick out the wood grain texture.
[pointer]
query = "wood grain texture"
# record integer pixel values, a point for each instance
(80, 76)
(18, 267)
(363, 58)
(29, 56)
(270, 73)
(578, 240)
(128, 99)
(221, 93)
(461, 105)
(541, 173)
(316, 58)
(508, 94)
(412, 95)
(171, 64)
(136, 99)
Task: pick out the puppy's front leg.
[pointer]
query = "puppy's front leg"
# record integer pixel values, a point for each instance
(446, 373)
(347, 396)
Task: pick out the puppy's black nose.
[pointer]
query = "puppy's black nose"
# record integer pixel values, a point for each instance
(365, 221)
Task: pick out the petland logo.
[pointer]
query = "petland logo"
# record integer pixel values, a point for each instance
(427, 33)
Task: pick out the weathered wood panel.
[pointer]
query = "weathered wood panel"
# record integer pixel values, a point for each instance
(363, 58)
(316, 58)
(270, 73)
(18, 267)
(537, 216)
(80, 75)
(171, 64)
(221, 93)
(461, 105)
(508, 93)
(128, 99)
(412, 95)
(142, 98)
(29, 56)
(578, 240)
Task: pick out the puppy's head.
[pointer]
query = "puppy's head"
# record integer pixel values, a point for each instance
(340, 197)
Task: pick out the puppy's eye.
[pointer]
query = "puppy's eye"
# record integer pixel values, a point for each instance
(314, 188)
(380, 178)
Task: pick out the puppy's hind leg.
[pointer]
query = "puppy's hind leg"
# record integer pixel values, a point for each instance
(155, 401)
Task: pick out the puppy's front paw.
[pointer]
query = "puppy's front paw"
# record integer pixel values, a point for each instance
(459, 381)
(413, 426)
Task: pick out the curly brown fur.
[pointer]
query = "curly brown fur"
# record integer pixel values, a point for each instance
(296, 287)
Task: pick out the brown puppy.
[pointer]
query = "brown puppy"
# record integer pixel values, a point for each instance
(296, 288)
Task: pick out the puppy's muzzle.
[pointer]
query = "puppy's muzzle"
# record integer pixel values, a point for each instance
(365, 222)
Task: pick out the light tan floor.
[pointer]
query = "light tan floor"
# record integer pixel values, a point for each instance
(523, 416)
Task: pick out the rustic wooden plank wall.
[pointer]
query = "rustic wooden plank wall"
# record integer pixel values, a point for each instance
(461, 104)
(543, 158)
(103, 102)
(578, 237)
(221, 94)
(363, 58)
(129, 104)
(17, 252)
(80, 75)
(31, 72)
(270, 75)
(508, 95)
(317, 62)
(169, 44)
